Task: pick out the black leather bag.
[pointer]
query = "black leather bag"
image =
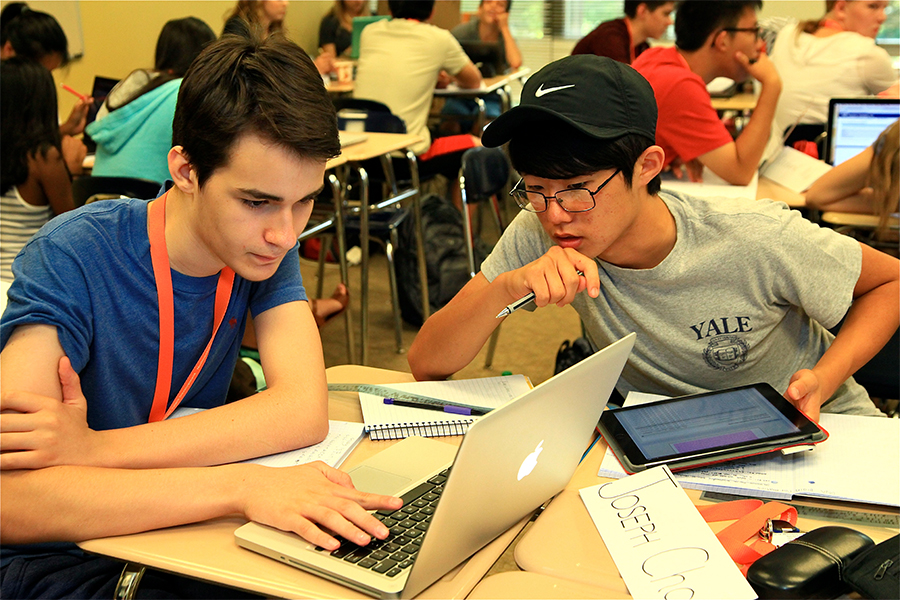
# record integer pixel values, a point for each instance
(811, 566)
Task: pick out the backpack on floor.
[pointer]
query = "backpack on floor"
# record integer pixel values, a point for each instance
(445, 256)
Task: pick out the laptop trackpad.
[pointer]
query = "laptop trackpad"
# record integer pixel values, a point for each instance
(375, 481)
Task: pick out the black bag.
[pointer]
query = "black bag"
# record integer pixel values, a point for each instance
(570, 353)
(811, 566)
(445, 256)
(875, 573)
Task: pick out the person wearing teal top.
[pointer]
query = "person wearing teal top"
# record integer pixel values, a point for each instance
(133, 130)
(134, 140)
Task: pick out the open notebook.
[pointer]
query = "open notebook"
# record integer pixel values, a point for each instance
(392, 422)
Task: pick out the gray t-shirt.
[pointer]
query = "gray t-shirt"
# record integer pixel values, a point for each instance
(744, 296)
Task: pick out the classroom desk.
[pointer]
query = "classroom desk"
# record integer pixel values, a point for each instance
(381, 145)
(208, 551)
(490, 85)
(740, 102)
(564, 543)
(767, 188)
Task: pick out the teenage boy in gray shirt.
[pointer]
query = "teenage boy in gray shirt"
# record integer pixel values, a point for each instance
(721, 292)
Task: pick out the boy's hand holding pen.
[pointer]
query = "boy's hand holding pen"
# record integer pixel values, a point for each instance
(530, 296)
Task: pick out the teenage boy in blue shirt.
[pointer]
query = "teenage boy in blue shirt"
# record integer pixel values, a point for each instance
(112, 312)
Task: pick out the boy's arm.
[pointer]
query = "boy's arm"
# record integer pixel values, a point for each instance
(291, 413)
(737, 162)
(871, 321)
(452, 337)
(71, 503)
(469, 77)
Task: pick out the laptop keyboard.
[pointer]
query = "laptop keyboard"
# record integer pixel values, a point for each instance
(392, 555)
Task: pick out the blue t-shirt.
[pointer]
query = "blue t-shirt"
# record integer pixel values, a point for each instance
(88, 272)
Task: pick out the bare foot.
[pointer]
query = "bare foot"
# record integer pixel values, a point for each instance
(324, 309)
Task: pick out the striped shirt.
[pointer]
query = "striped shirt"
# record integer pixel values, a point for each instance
(18, 222)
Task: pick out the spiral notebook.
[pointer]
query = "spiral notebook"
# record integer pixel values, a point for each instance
(392, 422)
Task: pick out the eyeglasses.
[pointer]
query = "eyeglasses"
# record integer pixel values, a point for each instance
(572, 200)
(754, 30)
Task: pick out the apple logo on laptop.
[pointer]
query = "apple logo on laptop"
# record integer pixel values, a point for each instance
(530, 461)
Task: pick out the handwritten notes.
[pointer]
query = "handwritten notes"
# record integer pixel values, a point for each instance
(661, 545)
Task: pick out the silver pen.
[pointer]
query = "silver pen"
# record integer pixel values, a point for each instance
(529, 297)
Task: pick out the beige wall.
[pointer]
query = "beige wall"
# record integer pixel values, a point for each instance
(120, 35)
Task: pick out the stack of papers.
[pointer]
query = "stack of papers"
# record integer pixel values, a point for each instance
(794, 169)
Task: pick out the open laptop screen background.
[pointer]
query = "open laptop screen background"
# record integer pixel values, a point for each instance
(855, 123)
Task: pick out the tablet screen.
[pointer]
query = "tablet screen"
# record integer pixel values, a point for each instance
(699, 423)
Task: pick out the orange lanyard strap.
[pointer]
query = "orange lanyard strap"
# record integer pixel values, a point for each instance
(159, 256)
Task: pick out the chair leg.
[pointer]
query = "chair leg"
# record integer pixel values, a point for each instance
(338, 199)
(467, 227)
(129, 581)
(324, 245)
(492, 346)
(392, 276)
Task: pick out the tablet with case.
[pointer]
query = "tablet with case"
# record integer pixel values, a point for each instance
(697, 430)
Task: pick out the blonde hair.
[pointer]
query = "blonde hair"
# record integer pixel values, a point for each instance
(248, 10)
(884, 177)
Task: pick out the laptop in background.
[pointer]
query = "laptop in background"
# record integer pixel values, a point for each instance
(855, 123)
(510, 462)
(101, 89)
(360, 23)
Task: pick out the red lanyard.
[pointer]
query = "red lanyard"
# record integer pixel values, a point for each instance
(159, 256)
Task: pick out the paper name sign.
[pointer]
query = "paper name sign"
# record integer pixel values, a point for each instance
(661, 545)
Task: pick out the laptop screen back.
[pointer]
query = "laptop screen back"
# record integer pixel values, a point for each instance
(855, 123)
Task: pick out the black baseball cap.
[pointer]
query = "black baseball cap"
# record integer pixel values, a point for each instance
(599, 96)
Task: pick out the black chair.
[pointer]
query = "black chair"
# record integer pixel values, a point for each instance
(374, 116)
(89, 188)
(384, 211)
(483, 176)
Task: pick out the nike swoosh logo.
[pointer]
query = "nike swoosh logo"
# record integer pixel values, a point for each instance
(543, 92)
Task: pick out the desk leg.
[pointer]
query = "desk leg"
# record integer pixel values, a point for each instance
(505, 102)
(129, 581)
(420, 234)
(338, 198)
(482, 113)
(364, 264)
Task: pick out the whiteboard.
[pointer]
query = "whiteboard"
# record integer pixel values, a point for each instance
(69, 16)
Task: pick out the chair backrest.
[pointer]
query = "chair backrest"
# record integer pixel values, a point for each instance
(373, 115)
(83, 188)
(484, 173)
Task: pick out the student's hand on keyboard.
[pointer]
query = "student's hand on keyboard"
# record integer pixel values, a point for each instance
(300, 499)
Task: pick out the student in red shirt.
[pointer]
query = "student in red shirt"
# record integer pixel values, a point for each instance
(712, 39)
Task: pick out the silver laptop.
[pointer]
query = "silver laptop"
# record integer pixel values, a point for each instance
(509, 463)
